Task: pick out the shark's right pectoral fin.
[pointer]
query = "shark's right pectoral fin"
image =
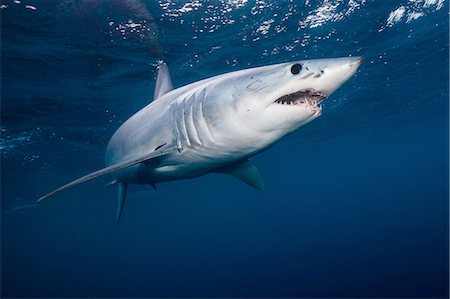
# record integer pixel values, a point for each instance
(245, 171)
(161, 151)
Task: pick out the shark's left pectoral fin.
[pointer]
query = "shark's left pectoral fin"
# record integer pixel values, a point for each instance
(245, 171)
(158, 152)
(163, 82)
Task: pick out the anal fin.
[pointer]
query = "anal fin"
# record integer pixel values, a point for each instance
(121, 200)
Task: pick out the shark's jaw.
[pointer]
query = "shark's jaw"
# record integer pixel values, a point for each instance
(307, 98)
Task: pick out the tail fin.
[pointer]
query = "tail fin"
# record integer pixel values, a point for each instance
(160, 151)
(121, 200)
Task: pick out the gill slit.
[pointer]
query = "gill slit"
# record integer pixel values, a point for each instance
(182, 124)
(190, 124)
(202, 117)
(175, 128)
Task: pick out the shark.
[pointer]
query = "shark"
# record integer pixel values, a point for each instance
(216, 124)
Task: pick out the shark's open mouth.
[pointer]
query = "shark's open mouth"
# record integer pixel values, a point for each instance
(310, 97)
(301, 97)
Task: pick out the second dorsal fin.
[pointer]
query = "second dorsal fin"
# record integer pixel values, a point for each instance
(163, 82)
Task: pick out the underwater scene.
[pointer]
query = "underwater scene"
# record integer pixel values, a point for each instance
(355, 183)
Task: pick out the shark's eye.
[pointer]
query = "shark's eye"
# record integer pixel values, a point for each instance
(296, 68)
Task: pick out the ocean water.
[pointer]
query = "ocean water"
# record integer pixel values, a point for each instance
(356, 202)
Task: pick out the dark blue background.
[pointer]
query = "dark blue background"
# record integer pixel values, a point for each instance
(356, 202)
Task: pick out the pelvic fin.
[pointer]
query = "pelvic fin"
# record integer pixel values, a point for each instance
(121, 200)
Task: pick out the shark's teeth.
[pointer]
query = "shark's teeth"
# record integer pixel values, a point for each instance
(310, 97)
(307, 98)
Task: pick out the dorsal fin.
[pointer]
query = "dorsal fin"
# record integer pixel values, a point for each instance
(163, 82)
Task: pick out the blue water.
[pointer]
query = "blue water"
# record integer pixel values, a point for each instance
(356, 202)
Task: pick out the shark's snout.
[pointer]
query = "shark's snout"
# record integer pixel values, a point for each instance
(357, 62)
(338, 71)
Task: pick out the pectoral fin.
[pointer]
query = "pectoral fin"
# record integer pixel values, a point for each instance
(245, 171)
(164, 150)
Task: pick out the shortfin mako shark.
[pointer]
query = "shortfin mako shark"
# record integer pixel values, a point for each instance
(216, 124)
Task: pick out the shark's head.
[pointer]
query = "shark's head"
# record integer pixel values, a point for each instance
(271, 101)
(287, 95)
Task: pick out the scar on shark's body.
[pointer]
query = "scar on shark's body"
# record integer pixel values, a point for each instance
(216, 124)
